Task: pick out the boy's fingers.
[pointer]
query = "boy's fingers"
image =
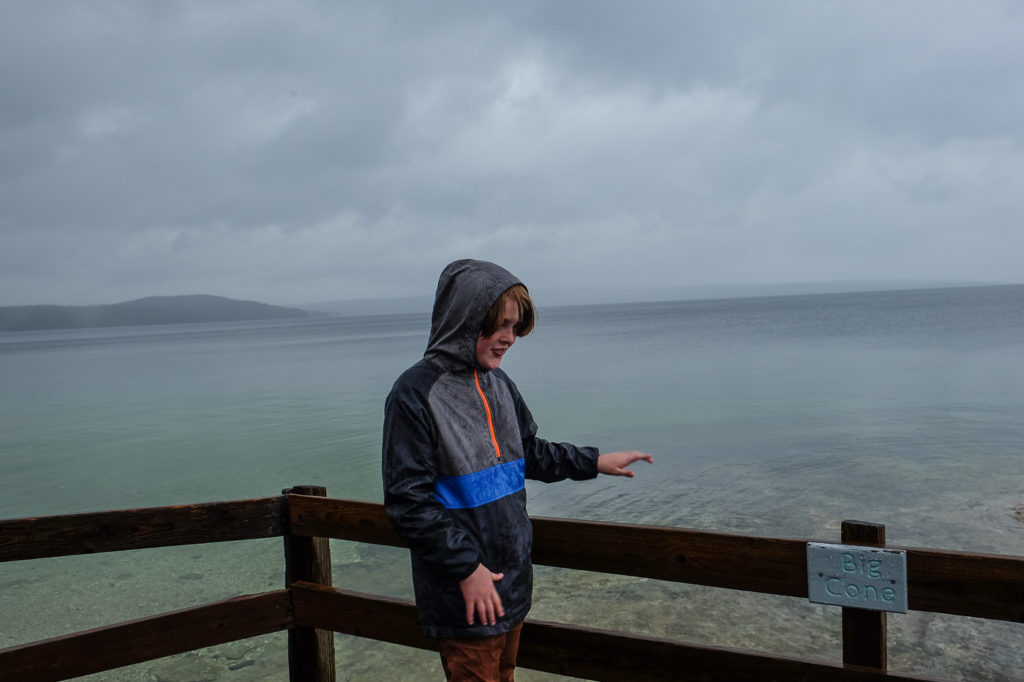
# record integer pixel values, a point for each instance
(494, 609)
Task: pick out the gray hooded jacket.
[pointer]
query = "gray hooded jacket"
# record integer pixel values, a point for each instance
(459, 443)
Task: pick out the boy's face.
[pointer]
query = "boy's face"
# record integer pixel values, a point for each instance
(490, 349)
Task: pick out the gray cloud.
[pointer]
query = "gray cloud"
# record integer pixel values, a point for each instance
(302, 151)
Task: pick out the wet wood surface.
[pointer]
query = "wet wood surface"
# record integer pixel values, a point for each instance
(50, 536)
(145, 639)
(342, 520)
(572, 650)
(310, 650)
(959, 583)
(987, 586)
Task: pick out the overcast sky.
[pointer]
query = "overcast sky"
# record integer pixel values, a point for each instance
(294, 152)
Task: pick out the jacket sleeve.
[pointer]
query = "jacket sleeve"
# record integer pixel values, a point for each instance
(547, 461)
(410, 471)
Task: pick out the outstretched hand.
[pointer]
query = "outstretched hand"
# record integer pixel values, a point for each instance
(480, 596)
(615, 463)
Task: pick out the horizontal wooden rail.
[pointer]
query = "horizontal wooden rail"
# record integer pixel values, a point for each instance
(385, 619)
(959, 583)
(145, 639)
(113, 531)
(327, 517)
(986, 586)
(774, 566)
(570, 650)
(962, 584)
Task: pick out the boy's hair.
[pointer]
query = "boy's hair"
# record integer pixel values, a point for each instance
(527, 316)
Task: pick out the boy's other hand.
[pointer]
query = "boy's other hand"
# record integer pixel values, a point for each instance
(615, 463)
(480, 596)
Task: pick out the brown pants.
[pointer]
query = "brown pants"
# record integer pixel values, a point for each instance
(488, 659)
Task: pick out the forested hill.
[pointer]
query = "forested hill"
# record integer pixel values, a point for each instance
(150, 310)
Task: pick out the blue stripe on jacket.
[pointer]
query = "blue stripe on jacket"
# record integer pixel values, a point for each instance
(480, 487)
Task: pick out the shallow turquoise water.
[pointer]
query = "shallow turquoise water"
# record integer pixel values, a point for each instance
(775, 416)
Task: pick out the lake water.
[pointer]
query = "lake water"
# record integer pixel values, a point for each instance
(776, 416)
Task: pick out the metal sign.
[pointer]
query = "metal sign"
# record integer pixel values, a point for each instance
(860, 577)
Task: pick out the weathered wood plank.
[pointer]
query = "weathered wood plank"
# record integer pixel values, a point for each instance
(775, 566)
(979, 585)
(146, 639)
(342, 520)
(570, 650)
(613, 657)
(310, 650)
(353, 613)
(50, 536)
(959, 583)
(717, 559)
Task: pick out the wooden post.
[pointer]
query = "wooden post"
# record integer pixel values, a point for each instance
(310, 651)
(864, 632)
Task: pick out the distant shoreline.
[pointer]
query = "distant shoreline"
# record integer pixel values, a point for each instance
(552, 297)
(199, 308)
(153, 310)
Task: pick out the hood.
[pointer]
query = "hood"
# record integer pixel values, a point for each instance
(466, 290)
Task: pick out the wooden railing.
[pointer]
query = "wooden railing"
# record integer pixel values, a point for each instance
(984, 586)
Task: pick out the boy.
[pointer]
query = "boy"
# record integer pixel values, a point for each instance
(459, 443)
